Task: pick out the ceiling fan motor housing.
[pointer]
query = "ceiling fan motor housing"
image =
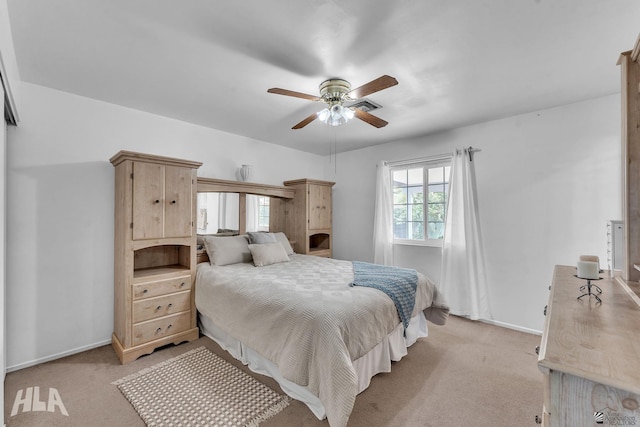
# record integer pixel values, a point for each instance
(334, 91)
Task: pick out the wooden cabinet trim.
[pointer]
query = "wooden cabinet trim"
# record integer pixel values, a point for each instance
(133, 156)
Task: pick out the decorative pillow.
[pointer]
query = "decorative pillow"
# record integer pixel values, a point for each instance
(259, 237)
(227, 232)
(268, 253)
(227, 250)
(284, 241)
(200, 237)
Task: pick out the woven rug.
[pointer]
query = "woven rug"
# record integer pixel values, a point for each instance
(198, 388)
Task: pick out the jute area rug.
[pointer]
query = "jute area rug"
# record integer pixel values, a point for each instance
(198, 388)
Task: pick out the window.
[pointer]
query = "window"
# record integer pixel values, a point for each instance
(263, 213)
(416, 219)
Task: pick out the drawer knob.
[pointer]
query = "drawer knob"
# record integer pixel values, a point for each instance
(538, 419)
(173, 202)
(538, 349)
(144, 291)
(158, 330)
(158, 307)
(170, 305)
(156, 201)
(169, 327)
(182, 284)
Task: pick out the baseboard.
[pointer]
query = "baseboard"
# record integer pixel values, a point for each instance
(56, 356)
(510, 326)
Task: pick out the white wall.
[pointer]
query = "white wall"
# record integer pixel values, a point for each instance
(61, 201)
(3, 172)
(8, 62)
(547, 184)
(11, 80)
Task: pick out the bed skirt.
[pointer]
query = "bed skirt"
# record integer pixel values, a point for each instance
(378, 360)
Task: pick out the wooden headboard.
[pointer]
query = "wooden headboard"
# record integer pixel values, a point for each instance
(278, 194)
(206, 185)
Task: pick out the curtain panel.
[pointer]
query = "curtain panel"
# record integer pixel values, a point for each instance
(383, 217)
(463, 278)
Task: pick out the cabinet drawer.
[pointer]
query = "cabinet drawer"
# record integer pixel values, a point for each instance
(151, 308)
(161, 287)
(155, 329)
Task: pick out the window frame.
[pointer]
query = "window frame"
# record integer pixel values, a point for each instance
(261, 202)
(425, 165)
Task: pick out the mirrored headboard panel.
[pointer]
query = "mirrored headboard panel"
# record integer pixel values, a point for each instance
(218, 213)
(228, 206)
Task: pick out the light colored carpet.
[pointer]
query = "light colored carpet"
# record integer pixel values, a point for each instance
(199, 388)
(464, 374)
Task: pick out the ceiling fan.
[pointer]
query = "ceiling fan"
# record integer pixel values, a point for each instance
(335, 93)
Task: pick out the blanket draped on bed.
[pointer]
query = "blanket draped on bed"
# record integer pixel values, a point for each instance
(398, 283)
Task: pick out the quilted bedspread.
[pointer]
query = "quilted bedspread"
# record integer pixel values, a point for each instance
(304, 317)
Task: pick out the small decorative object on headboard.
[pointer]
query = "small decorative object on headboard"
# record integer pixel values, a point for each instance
(245, 172)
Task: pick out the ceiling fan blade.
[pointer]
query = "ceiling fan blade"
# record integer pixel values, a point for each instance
(286, 92)
(372, 87)
(370, 118)
(306, 121)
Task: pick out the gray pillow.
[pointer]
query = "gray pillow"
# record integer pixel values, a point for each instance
(268, 253)
(227, 250)
(260, 237)
(284, 241)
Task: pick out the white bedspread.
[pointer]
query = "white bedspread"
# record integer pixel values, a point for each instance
(303, 316)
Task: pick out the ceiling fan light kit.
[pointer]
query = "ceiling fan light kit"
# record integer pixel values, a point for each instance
(336, 115)
(335, 92)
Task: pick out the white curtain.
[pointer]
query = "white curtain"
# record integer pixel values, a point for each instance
(463, 280)
(383, 217)
(252, 213)
(222, 210)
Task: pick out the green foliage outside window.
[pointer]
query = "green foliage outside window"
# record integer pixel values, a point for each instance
(409, 205)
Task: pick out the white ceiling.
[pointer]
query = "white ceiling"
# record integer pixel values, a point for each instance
(211, 62)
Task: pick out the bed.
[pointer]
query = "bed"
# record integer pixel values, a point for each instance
(297, 319)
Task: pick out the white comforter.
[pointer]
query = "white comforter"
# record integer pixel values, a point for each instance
(303, 316)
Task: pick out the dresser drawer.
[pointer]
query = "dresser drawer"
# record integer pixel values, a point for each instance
(155, 329)
(151, 308)
(161, 287)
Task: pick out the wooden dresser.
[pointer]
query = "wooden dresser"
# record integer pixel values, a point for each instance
(155, 253)
(309, 217)
(590, 354)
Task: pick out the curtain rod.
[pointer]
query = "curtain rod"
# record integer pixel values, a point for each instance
(436, 157)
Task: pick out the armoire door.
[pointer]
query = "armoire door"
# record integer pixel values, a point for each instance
(148, 201)
(319, 207)
(178, 203)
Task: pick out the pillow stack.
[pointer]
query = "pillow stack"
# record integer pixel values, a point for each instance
(260, 247)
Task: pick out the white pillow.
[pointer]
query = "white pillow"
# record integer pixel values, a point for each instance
(282, 238)
(227, 250)
(268, 253)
